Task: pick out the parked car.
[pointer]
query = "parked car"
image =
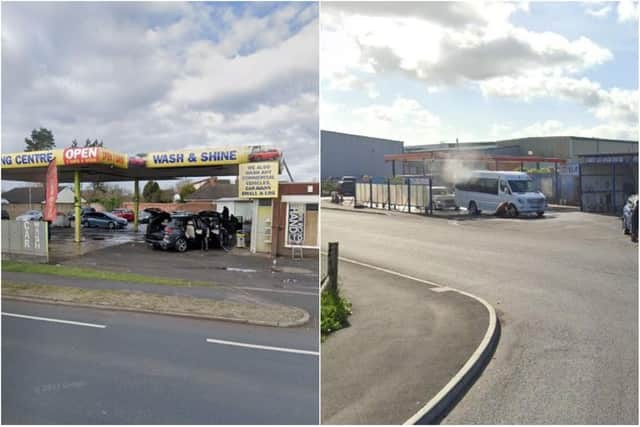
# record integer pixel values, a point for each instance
(5, 214)
(124, 213)
(83, 212)
(180, 233)
(627, 212)
(103, 220)
(30, 216)
(443, 198)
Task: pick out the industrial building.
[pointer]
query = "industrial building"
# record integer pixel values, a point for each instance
(344, 154)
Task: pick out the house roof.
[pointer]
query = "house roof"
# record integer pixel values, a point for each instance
(20, 195)
(214, 191)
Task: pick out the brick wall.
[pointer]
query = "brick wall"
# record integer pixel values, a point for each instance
(170, 207)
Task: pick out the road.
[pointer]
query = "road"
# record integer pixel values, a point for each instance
(404, 344)
(146, 369)
(565, 288)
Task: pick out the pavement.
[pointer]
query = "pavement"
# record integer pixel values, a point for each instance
(239, 273)
(131, 368)
(405, 343)
(566, 291)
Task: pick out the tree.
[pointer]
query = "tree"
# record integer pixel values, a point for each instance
(186, 190)
(94, 143)
(41, 139)
(87, 143)
(151, 192)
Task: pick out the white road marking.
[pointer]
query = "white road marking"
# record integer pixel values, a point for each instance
(442, 289)
(46, 319)
(475, 357)
(277, 291)
(263, 347)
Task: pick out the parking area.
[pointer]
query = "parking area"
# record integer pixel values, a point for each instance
(565, 288)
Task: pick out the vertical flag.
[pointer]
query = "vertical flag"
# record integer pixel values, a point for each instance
(52, 192)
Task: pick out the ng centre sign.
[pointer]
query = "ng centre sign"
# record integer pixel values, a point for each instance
(64, 157)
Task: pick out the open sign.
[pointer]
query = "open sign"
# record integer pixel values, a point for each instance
(81, 155)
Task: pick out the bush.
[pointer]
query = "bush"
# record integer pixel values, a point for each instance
(335, 312)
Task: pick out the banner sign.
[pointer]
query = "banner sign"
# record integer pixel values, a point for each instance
(65, 157)
(258, 180)
(51, 192)
(30, 159)
(295, 223)
(204, 157)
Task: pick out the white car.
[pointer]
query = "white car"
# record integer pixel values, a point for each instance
(627, 212)
(30, 216)
(443, 198)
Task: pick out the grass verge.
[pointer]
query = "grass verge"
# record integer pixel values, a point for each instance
(267, 314)
(90, 273)
(335, 311)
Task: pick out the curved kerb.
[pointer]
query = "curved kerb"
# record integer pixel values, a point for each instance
(438, 407)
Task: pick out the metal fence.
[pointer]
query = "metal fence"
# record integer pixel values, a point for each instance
(414, 195)
(25, 239)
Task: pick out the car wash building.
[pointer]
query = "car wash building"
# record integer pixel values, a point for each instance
(256, 167)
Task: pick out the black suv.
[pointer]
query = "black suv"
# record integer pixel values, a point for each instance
(182, 231)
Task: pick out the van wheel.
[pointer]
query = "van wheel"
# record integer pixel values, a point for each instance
(511, 211)
(540, 214)
(181, 245)
(473, 209)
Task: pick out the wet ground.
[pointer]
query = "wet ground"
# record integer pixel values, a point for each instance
(62, 245)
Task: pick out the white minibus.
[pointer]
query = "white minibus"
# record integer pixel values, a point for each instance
(510, 193)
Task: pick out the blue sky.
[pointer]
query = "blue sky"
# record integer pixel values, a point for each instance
(431, 72)
(153, 76)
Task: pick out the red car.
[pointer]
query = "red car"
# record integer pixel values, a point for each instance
(263, 156)
(123, 213)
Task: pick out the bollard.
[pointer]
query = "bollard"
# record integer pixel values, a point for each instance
(332, 268)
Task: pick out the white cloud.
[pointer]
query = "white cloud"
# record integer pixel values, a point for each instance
(612, 104)
(627, 11)
(403, 119)
(469, 46)
(156, 76)
(445, 43)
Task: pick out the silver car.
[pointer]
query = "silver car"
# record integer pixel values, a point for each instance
(627, 212)
(30, 216)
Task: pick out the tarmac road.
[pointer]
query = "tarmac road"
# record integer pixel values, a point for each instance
(147, 369)
(565, 288)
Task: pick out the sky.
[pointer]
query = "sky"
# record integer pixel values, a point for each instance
(164, 76)
(426, 73)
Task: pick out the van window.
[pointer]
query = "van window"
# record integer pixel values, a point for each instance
(524, 186)
(479, 185)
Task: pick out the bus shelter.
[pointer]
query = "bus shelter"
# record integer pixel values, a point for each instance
(257, 169)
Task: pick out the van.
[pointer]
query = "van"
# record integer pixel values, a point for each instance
(510, 193)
